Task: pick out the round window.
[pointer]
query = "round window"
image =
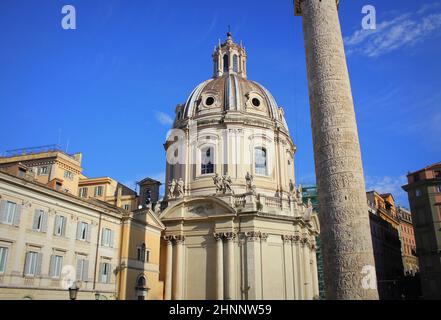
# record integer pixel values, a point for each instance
(209, 101)
(255, 102)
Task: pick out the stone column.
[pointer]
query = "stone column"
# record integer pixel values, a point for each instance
(300, 269)
(168, 268)
(219, 267)
(315, 285)
(307, 269)
(254, 275)
(178, 268)
(288, 270)
(295, 266)
(345, 231)
(230, 290)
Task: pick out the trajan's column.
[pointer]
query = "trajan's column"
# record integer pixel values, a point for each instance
(345, 232)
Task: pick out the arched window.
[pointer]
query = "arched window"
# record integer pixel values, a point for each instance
(226, 64)
(260, 161)
(235, 63)
(141, 252)
(207, 163)
(142, 282)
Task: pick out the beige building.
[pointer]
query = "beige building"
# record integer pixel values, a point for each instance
(424, 191)
(51, 239)
(108, 190)
(236, 226)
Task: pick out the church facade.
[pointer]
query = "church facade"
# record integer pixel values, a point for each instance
(236, 225)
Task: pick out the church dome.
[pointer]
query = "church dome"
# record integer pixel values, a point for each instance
(230, 91)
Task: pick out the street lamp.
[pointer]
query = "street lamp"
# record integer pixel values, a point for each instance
(97, 295)
(73, 291)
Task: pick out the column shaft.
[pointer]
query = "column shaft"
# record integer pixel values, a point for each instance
(168, 270)
(345, 230)
(219, 268)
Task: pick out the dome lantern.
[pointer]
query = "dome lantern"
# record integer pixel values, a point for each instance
(229, 58)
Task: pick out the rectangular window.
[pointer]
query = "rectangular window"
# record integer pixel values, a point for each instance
(55, 266)
(60, 226)
(416, 177)
(127, 207)
(32, 263)
(83, 231)
(438, 189)
(40, 221)
(68, 175)
(105, 272)
(43, 170)
(107, 237)
(260, 161)
(437, 174)
(83, 192)
(98, 191)
(8, 212)
(207, 161)
(3, 259)
(418, 193)
(82, 269)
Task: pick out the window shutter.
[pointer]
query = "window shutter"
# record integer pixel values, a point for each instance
(27, 265)
(44, 222)
(109, 272)
(86, 270)
(101, 276)
(78, 276)
(17, 215)
(103, 242)
(39, 261)
(56, 223)
(78, 230)
(88, 231)
(63, 221)
(2, 210)
(35, 223)
(52, 266)
(112, 236)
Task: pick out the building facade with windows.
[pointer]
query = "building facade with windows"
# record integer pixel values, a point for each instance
(424, 192)
(51, 167)
(386, 244)
(51, 238)
(108, 190)
(408, 245)
(236, 225)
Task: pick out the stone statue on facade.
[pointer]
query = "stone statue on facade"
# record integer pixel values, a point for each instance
(292, 187)
(180, 188)
(249, 183)
(299, 193)
(226, 184)
(217, 182)
(171, 188)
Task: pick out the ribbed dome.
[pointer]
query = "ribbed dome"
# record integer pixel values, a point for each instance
(231, 92)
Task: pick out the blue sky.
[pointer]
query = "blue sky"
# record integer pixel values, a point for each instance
(109, 88)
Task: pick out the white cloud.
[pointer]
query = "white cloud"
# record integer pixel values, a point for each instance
(404, 30)
(388, 184)
(164, 118)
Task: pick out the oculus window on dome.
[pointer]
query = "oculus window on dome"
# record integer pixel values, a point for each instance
(255, 102)
(260, 161)
(207, 165)
(209, 101)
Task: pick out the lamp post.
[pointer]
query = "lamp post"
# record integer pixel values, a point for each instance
(73, 291)
(97, 295)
